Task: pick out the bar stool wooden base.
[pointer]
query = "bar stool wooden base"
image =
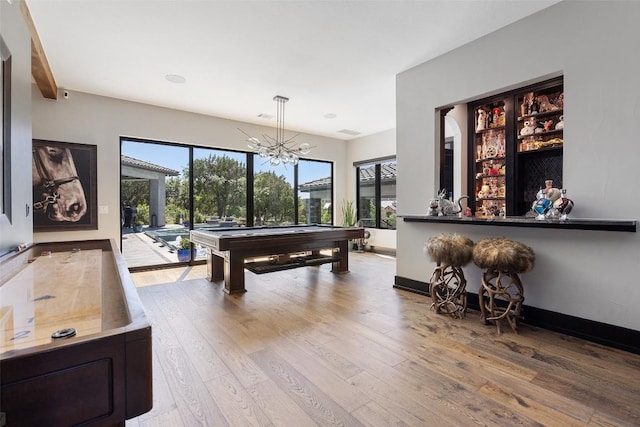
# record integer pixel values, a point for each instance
(501, 293)
(501, 296)
(448, 284)
(448, 291)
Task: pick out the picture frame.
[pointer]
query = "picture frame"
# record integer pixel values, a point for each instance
(64, 186)
(5, 131)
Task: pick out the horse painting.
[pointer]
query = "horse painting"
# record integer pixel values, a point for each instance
(57, 190)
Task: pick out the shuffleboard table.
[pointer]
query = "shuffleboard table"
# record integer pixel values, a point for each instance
(267, 249)
(75, 343)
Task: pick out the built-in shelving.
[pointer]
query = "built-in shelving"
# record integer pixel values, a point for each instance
(513, 221)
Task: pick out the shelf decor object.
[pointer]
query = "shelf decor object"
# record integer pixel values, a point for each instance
(516, 141)
(278, 150)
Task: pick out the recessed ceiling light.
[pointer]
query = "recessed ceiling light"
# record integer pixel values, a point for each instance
(330, 116)
(175, 78)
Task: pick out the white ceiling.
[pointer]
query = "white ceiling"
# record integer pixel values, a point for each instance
(328, 57)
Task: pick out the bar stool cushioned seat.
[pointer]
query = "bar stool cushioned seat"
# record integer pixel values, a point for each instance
(448, 284)
(503, 260)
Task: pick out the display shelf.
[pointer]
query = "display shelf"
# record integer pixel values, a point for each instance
(544, 133)
(489, 142)
(542, 115)
(622, 225)
(531, 120)
(554, 148)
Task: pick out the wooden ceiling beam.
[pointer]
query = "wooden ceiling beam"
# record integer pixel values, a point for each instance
(40, 69)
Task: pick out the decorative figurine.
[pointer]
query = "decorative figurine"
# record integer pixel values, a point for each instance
(545, 204)
(541, 205)
(563, 205)
(534, 108)
(529, 127)
(525, 108)
(495, 118)
(538, 127)
(543, 103)
(481, 123)
(560, 124)
(441, 206)
(433, 207)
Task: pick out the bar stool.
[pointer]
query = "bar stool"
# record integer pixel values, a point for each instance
(501, 294)
(448, 284)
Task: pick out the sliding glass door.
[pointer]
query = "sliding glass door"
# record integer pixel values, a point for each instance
(169, 189)
(155, 203)
(315, 192)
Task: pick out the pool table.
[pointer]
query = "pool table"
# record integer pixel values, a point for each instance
(266, 249)
(75, 343)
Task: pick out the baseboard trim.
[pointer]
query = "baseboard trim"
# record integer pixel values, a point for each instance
(597, 332)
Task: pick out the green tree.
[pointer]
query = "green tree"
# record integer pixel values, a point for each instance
(134, 192)
(177, 198)
(219, 186)
(177, 191)
(302, 211)
(273, 199)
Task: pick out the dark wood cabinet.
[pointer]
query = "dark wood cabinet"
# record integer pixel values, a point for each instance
(515, 145)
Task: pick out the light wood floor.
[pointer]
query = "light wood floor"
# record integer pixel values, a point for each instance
(306, 347)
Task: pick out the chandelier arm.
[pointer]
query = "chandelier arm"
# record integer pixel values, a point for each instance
(278, 150)
(291, 139)
(245, 133)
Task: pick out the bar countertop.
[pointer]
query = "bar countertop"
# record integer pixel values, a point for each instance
(520, 221)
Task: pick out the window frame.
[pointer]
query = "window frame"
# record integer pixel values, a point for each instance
(377, 163)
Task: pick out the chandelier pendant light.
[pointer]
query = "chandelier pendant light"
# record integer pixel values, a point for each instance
(278, 150)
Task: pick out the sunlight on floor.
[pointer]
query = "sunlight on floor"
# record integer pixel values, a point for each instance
(168, 275)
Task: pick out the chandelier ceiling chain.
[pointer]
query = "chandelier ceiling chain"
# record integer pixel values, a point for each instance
(278, 150)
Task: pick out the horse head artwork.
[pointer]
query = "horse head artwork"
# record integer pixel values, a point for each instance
(57, 190)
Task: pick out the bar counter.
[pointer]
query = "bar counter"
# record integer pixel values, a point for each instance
(520, 221)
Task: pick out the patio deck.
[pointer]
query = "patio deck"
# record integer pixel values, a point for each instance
(140, 250)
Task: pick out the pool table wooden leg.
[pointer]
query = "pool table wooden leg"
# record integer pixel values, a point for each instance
(342, 265)
(215, 267)
(233, 273)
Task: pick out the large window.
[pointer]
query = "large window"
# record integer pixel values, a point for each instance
(169, 189)
(315, 192)
(219, 186)
(377, 203)
(273, 197)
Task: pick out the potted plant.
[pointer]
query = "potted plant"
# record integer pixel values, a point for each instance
(137, 225)
(348, 213)
(184, 250)
(349, 217)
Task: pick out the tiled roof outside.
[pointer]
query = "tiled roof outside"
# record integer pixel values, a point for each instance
(130, 161)
(387, 172)
(367, 174)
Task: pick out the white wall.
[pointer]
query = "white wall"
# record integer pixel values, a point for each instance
(382, 144)
(101, 121)
(588, 274)
(16, 225)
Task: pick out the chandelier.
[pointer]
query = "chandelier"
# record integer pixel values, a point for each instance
(278, 150)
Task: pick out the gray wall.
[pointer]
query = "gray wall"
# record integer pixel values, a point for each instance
(595, 45)
(16, 226)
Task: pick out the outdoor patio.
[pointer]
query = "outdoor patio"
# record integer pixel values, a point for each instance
(142, 249)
